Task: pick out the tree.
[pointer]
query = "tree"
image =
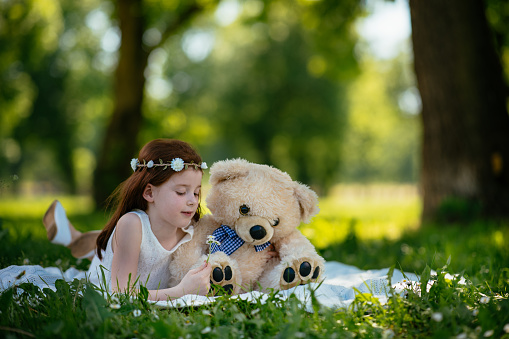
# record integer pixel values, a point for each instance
(465, 148)
(121, 137)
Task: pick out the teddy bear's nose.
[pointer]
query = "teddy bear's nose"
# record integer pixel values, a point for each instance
(257, 232)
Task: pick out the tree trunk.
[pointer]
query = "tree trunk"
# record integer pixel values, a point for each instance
(120, 140)
(465, 148)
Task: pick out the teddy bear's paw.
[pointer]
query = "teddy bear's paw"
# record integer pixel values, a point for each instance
(222, 278)
(300, 272)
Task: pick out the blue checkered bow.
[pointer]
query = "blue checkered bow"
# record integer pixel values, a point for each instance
(230, 241)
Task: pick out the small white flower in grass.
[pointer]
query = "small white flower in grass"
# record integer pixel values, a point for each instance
(177, 164)
(136, 313)
(461, 336)
(205, 312)
(115, 306)
(203, 165)
(150, 164)
(388, 334)
(484, 300)
(437, 316)
(489, 333)
(206, 330)
(134, 163)
(506, 328)
(475, 312)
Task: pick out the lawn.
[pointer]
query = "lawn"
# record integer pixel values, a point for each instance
(370, 228)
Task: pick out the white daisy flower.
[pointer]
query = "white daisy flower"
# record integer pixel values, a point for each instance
(212, 240)
(136, 313)
(115, 306)
(484, 300)
(488, 333)
(506, 328)
(177, 164)
(134, 163)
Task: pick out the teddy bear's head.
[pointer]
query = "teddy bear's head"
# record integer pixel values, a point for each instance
(261, 203)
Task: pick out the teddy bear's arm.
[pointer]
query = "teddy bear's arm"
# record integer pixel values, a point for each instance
(294, 245)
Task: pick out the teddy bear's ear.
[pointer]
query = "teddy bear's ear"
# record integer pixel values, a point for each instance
(308, 201)
(228, 169)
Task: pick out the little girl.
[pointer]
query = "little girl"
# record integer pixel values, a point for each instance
(156, 208)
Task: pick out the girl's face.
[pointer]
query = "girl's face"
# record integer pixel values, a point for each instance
(175, 202)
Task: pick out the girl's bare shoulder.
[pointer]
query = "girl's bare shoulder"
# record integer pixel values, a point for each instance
(129, 223)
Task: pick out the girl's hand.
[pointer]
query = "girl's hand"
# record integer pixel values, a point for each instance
(196, 281)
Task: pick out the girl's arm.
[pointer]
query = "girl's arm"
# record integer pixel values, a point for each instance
(126, 246)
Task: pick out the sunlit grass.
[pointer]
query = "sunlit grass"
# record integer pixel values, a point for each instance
(36, 206)
(384, 220)
(372, 212)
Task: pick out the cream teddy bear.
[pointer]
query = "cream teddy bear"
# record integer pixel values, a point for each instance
(253, 206)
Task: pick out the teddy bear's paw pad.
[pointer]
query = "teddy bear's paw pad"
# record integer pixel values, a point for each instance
(221, 279)
(299, 273)
(306, 268)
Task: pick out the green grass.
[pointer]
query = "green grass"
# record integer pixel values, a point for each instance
(366, 229)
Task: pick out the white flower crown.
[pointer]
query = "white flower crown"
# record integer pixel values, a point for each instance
(176, 164)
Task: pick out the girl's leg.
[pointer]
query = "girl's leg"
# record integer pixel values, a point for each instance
(61, 231)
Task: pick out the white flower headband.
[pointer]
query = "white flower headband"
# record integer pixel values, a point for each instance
(176, 164)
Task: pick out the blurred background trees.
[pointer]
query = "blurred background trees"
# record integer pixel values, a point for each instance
(289, 83)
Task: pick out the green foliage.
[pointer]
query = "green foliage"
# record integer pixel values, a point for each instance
(385, 151)
(497, 13)
(47, 87)
(272, 89)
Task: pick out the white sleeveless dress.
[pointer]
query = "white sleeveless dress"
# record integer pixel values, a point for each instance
(153, 264)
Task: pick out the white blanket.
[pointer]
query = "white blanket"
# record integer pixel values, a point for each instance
(342, 283)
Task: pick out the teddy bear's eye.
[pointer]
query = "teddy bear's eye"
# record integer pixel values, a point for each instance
(275, 222)
(244, 209)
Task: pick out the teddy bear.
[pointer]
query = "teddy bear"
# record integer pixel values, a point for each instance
(253, 206)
